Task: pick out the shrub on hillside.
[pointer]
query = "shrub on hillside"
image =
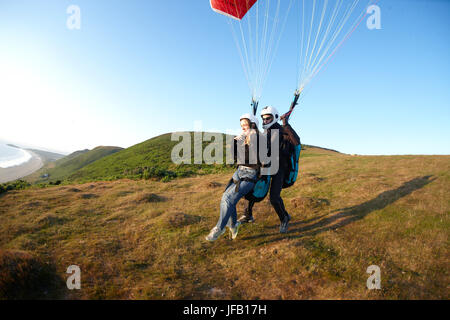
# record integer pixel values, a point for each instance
(15, 185)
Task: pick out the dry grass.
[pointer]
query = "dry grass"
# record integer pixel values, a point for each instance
(145, 239)
(24, 276)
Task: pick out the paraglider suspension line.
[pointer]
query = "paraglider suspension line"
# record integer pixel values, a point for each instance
(293, 104)
(254, 105)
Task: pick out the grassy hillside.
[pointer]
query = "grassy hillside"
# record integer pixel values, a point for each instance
(73, 155)
(152, 159)
(149, 159)
(62, 168)
(145, 239)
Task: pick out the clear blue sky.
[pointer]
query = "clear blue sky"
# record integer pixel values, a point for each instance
(137, 69)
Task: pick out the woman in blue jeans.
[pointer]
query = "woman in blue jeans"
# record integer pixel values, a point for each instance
(243, 181)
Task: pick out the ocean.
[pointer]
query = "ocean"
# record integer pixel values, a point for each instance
(10, 156)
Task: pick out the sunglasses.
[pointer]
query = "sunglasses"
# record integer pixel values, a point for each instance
(268, 118)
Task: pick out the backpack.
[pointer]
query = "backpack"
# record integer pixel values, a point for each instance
(260, 190)
(294, 156)
(262, 185)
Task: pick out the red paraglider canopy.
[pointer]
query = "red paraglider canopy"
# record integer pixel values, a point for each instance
(232, 8)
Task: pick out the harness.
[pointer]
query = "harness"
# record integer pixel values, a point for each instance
(238, 182)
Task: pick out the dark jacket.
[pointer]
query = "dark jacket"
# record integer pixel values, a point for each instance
(254, 145)
(287, 138)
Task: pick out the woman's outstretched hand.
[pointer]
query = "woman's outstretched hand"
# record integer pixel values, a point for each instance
(242, 136)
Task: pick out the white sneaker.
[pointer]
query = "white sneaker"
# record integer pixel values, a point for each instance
(214, 234)
(234, 230)
(246, 219)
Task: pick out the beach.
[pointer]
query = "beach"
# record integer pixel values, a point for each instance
(22, 170)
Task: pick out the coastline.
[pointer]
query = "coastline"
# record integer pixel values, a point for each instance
(22, 170)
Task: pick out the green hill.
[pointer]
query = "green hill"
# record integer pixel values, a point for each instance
(73, 155)
(152, 159)
(148, 159)
(62, 168)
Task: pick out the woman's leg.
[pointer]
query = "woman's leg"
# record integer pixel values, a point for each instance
(230, 198)
(226, 206)
(224, 203)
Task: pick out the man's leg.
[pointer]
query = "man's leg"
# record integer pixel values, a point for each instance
(277, 202)
(248, 212)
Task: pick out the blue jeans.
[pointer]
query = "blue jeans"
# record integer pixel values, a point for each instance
(230, 197)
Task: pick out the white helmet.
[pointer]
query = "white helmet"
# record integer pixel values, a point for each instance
(250, 117)
(273, 112)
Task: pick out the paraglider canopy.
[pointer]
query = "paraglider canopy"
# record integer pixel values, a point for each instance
(235, 9)
(256, 26)
(323, 26)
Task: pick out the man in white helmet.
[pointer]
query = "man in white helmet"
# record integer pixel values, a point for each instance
(270, 117)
